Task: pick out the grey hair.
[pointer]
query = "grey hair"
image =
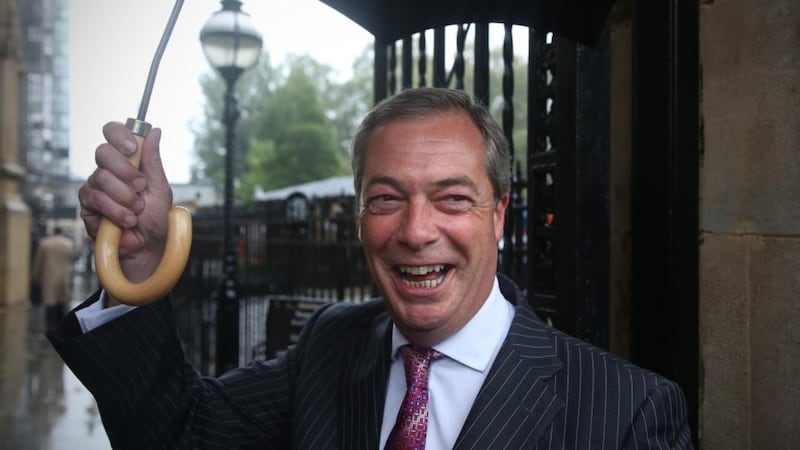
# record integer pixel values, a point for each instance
(425, 102)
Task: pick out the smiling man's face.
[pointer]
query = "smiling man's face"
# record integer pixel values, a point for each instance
(430, 223)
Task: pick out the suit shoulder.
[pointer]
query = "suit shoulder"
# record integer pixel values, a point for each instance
(343, 319)
(592, 375)
(348, 312)
(579, 354)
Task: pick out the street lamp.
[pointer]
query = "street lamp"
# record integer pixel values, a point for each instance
(232, 45)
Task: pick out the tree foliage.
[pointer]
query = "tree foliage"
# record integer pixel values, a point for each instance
(297, 120)
(293, 140)
(295, 126)
(253, 90)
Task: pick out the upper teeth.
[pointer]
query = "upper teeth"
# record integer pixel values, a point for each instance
(421, 270)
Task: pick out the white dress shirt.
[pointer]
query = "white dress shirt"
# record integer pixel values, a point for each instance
(95, 315)
(454, 380)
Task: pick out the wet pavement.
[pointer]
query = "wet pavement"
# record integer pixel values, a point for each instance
(42, 405)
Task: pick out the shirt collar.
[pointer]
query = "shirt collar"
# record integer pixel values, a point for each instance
(475, 343)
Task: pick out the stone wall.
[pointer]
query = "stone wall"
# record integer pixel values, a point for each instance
(15, 217)
(750, 225)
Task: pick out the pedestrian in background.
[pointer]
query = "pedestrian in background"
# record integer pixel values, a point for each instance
(52, 268)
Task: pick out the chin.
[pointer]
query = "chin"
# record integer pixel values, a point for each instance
(420, 317)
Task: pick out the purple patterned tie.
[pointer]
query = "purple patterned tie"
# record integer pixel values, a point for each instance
(411, 428)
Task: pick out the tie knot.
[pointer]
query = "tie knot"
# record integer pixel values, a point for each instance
(417, 361)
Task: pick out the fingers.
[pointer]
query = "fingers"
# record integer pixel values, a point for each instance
(104, 195)
(147, 157)
(119, 190)
(114, 189)
(120, 137)
(116, 154)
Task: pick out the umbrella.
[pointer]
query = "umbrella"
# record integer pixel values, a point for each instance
(390, 20)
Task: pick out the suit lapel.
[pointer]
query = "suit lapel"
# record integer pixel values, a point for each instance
(365, 372)
(517, 401)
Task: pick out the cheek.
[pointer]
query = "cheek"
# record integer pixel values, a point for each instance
(373, 232)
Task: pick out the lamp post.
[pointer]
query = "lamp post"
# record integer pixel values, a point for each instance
(232, 45)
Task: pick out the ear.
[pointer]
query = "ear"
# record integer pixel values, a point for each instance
(500, 216)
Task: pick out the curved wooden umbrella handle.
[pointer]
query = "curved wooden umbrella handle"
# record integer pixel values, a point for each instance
(176, 252)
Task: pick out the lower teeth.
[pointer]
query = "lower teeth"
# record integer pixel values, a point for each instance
(427, 284)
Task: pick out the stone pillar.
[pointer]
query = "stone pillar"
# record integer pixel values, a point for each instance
(15, 217)
(750, 225)
(620, 30)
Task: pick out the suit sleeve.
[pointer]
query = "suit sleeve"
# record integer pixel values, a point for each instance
(661, 421)
(149, 396)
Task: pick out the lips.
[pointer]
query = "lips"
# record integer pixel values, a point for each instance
(423, 277)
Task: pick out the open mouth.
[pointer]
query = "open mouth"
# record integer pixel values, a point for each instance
(423, 277)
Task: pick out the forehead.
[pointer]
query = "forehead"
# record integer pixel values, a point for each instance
(449, 130)
(429, 148)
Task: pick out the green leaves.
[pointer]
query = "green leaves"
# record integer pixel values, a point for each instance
(295, 126)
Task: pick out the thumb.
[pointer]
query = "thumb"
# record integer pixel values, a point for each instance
(151, 164)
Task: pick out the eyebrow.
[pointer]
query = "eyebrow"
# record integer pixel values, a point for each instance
(383, 179)
(458, 181)
(441, 184)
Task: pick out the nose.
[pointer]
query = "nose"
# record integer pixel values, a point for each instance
(419, 227)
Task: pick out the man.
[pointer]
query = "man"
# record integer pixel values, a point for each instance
(52, 268)
(432, 181)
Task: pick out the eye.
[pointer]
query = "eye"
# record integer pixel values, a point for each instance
(455, 203)
(383, 204)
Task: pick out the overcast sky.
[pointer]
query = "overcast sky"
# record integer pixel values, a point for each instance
(112, 43)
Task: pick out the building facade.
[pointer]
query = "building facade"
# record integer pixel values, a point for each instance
(44, 109)
(15, 217)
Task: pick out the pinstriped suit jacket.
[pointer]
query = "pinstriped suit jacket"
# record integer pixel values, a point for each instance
(546, 390)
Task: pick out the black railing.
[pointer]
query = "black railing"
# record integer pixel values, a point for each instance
(288, 258)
